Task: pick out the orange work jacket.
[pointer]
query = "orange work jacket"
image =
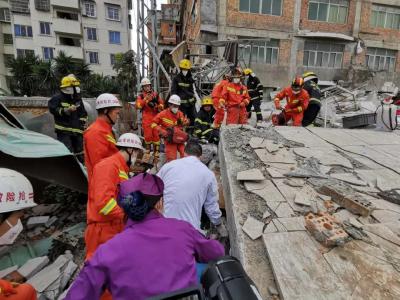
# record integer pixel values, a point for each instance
(234, 94)
(142, 103)
(296, 102)
(166, 119)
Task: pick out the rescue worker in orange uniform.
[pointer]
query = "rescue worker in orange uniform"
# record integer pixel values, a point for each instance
(104, 217)
(150, 103)
(297, 100)
(235, 98)
(216, 95)
(99, 140)
(164, 124)
(16, 291)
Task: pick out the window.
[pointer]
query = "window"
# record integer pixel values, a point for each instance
(25, 52)
(69, 41)
(114, 37)
(8, 58)
(90, 9)
(332, 11)
(91, 34)
(67, 15)
(112, 12)
(112, 59)
(385, 17)
(93, 57)
(8, 39)
(261, 52)
(47, 53)
(266, 7)
(379, 59)
(5, 15)
(45, 28)
(23, 30)
(43, 5)
(323, 55)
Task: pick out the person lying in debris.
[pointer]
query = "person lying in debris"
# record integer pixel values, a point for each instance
(153, 255)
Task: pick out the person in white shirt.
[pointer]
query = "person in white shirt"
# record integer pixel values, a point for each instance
(188, 186)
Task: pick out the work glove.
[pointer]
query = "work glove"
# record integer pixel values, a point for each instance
(277, 104)
(69, 110)
(221, 103)
(299, 109)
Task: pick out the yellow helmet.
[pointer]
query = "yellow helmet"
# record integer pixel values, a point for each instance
(69, 81)
(185, 64)
(247, 71)
(206, 101)
(310, 76)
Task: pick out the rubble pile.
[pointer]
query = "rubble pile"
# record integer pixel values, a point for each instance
(322, 201)
(50, 251)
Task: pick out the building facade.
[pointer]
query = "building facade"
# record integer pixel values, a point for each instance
(353, 40)
(88, 30)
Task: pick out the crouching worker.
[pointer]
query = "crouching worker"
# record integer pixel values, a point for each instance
(204, 127)
(153, 255)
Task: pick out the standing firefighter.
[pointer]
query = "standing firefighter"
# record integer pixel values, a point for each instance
(255, 89)
(70, 116)
(297, 101)
(311, 86)
(169, 124)
(150, 103)
(235, 98)
(183, 86)
(216, 95)
(203, 125)
(99, 140)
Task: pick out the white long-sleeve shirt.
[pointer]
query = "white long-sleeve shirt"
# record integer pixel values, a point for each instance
(188, 185)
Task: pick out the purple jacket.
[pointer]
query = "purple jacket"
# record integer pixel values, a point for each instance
(148, 258)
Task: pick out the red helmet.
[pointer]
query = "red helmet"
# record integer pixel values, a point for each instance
(297, 83)
(237, 72)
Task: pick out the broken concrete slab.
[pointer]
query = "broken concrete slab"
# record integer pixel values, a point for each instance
(37, 221)
(302, 136)
(337, 137)
(253, 228)
(349, 178)
(266, 214)
(292, 224)
(389, 179)
(266, 190)
(5, 272)
(262, 154)
(309, 168)
(284, 210)
(326, 157)
(271, 146)
(256, 142)
(294, 182)
(273, 205)
(305, 196)
(384, 216)
(270, 228)
(32, 266)
(386, 205)
(275, 173)
(382, 231)
(250, 175)
(51, 221)
(282, 156)
(279, 226)
(344, 215)
(355, 223)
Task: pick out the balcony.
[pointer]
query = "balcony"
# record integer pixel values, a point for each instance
(74, 4)
(75, 52)
(67, 26)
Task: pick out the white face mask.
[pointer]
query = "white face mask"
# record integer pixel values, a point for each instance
(11, 235)
(78, 90)
(68, 90)
(184, 72)
(174, 110)
(236, 80)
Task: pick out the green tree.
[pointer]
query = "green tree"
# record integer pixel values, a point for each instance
(23, 81)
(46, 78)
(126, 75)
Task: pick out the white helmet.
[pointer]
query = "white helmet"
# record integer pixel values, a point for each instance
(107, 100)
(145, 81)
(16, 191)
(130, 140)
(175, 99)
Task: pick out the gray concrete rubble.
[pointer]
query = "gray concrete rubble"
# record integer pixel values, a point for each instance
(250, 175)
(338, 175)
(37, 221)
(32, 266)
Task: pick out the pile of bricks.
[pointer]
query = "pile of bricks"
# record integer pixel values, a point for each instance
(326, 229)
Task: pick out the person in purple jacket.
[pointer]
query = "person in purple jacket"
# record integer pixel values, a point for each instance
(153, 255)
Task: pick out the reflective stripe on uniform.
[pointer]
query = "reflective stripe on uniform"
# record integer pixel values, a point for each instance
(69, 129)
(197, 131)
(183, 84)
(231, 89)
(207, 131)
(258, 113)
(295, 101)
(83, 119)
(153, 125)
(122, 174)
(65, 104)
(254, 98)
(60, 110)
(201, 122)
(111, 139)
(187, 101)
(168, 121)
(315, 100)
(108, 207)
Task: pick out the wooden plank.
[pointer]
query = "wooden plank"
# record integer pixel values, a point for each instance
(300, 270)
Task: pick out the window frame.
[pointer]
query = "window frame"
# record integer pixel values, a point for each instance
(40, 27)
(110, 32)
(6, 38)
(6, 13)
(324, 56)
(87, 34)
(51, 56)
(92, 6)
(379, 9)
(96, 55)
(115, 7)
(329, 5)
(260, 8)
(25, 51)
(26, 29)
(112, 59)
(274, 59)
(385, 57)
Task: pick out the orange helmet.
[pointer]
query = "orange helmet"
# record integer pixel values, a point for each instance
(297, 83)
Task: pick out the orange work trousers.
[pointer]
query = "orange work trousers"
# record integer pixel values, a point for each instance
(149, 135)
(99, 233)
(23, 292)
(219, 116)
(171, 150)
(236, 115)
(296, 117)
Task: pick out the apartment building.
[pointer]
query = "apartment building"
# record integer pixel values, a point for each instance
(88, 30)
(353, 40)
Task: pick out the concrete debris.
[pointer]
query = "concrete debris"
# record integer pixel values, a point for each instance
(294, 182)
(278, 225)
(308, 168)
(51, 221)
(37, 221)
(382, 231)
(265, 189)
(305, 196)
(275, 173)
(271, 146)
(292, 224)
(327, 157)
(349, 178)
(32, 266)
(273, 291)
(45, 209)
(256, 142)
(385, 216)
(284, 210)
(266, 214)
(5, 272)
(250, 175)
(355, 223)
(344, 215)
(271, 228)
(253, 228)
(392, 196)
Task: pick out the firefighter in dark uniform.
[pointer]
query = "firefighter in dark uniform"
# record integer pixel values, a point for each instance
(183, 86)
(70, 116)
(314, 106)
(203, 124)
(256, 93)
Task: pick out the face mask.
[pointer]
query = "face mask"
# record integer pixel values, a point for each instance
(132, 158)
(174, 110)
(77, 90)
(236, 80)
(68, 90)
(184, 72)
(11, 235)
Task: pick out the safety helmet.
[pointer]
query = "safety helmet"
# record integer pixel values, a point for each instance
(297, 83)
(107, 100)
(185, 64)
(69, 81)
(237, 72)
(16, 191)
(310, 76)
(130, 140)
(206, 101)
(247, 71)
(175, 99)
(227, 76)
(145, 81)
